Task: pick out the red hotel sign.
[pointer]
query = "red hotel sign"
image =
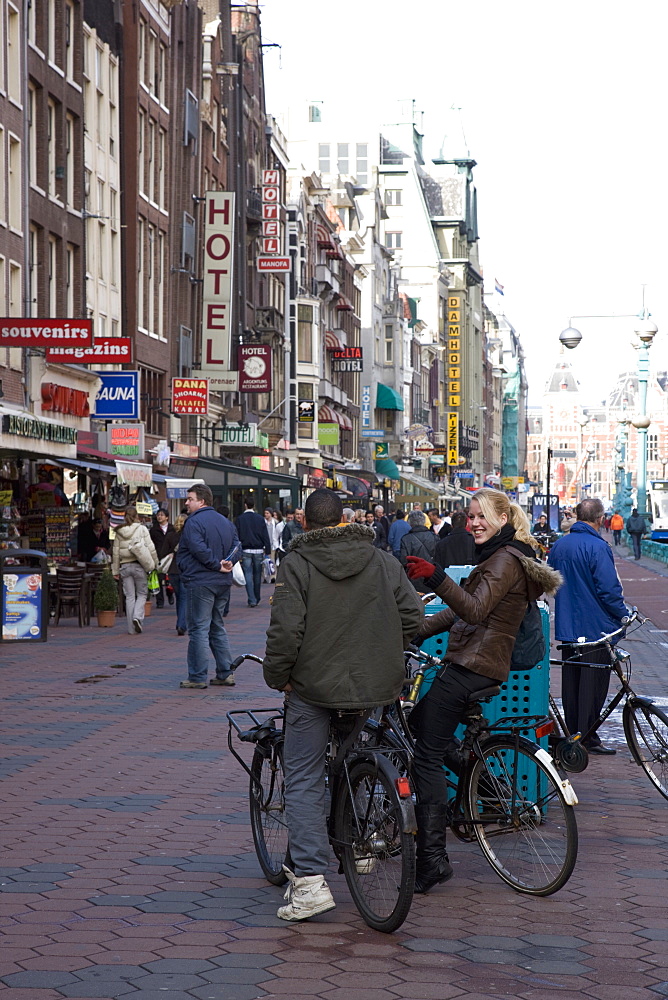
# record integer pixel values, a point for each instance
(46, 332)
(190, 395)
(109, 350)
(254, 368)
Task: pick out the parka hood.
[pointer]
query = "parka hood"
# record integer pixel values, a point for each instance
(337, 553)
(127, 530)
(537, 572)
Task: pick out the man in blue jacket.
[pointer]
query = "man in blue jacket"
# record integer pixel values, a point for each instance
(255, 543)
(208, 549)
(590, 603)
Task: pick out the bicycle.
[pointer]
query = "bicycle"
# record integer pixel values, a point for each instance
(645, 725)
(508, 795)
(371, 820)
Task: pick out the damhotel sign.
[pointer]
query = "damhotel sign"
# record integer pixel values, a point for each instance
(217, 288)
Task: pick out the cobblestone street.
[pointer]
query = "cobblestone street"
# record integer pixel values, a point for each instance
(128, 866)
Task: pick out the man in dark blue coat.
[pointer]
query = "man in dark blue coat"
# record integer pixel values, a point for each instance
(208, 549)
(590, 603)
(255, 543)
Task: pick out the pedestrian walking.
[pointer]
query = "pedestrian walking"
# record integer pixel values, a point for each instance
(420, 541)
(327, 659)
(457, 548)
(133, 558)
(617, 524)
(255, 544)
(294, 527)
(590, 604)
(208, 549)
(165, 540)
(636, 528)
(567, 521)
(380, 525)
(437, 523)
(398, 529)
(483, 617)
(177, 583)
(279, 527)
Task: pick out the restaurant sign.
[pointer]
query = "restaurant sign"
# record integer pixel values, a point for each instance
(126, 440)
(254, 368)
(244, 437)
(190, 395)
(30, 428)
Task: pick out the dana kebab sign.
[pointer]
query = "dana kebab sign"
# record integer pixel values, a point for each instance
(190, 395)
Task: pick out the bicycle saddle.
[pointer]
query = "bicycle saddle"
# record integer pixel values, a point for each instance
(484, 694)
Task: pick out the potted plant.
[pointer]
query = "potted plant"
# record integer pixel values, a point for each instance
(106, 600)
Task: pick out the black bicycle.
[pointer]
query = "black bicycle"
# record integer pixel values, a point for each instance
(371, 819)
(507, 795)
(645, 725)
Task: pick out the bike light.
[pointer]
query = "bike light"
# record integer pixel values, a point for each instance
(403, 787)
(545, 729)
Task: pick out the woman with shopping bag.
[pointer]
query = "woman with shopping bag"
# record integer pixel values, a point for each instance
(134, 557)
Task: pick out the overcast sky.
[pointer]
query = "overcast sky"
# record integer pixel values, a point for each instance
(563, 107)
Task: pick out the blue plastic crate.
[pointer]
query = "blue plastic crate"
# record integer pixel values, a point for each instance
(526, 692)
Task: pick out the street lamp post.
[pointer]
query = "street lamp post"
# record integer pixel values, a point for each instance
(645, 330)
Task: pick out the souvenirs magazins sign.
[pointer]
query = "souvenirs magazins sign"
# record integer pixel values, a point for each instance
(46, 332)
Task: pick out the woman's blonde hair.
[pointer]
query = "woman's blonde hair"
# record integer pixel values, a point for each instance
(179, 522)
(131, 515)
(493, 503)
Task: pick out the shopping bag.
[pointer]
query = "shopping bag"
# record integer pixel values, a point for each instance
(153, 582)
(268, 570)
(238, 575)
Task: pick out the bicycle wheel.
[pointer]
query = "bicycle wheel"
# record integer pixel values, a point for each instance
(525, 827)
(646, 731)
(377, 854)
(267, 811)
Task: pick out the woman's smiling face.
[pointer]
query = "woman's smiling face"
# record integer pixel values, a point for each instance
(481, 530)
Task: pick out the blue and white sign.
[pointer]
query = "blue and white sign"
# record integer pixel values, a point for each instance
(118, 396)
(366, 407)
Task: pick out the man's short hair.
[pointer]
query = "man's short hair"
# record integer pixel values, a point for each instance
(323, 509)
(249, 502)
(459, 519)
(400, 514)
(202, 492)
(589, 510)
(348, 514)
(433, 510)
(416, 519)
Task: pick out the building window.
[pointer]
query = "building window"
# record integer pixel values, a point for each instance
(51, 140)
(393, 196)
(51, 31)
(52, 286)
(69, 40)
(15, 303)
(315, 112)
(32, 270)
(69, 275)
(141, 45)
(342, 161)
(162, 74)
(32, 37)
(324, 163)
(3, 185)
(652, 447)
(389, 344)
(152, 392)
(15, 185)
(362, 162)
(70, 161)
(141, 278)
(305, 334)
(13, 54)
(393, 240)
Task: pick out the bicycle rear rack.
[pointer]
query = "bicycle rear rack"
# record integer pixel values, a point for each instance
(261, 728)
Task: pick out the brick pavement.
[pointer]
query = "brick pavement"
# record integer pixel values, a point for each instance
(128, 867)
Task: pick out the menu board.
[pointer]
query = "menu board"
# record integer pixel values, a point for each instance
(22, 606)
(33, 526)
(57, 524)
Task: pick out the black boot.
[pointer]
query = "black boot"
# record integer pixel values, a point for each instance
(433, 865)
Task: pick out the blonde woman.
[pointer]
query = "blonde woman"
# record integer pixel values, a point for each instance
(133, 559)
(483, 618)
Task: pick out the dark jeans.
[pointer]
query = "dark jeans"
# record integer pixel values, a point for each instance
(206, 631)
(434, 721)
(617, 536)
(635, 538)
(584, 690)
(251, 563)
(180, 598)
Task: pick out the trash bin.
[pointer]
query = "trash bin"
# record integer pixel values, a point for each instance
(24, 596)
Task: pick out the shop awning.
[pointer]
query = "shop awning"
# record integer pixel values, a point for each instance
(327, 415)
(332, 342)
(386, 467)
(344, 303)
(177, 488)
(80, 463)
(388, 398)
(134, 473)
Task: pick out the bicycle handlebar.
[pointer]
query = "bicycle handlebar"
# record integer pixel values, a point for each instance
(245, 656)
(633, 616)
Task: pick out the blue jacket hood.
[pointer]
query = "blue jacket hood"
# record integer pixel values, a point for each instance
(591, 602)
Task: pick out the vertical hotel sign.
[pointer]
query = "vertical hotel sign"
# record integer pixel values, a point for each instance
(217, 290)
(454, 374)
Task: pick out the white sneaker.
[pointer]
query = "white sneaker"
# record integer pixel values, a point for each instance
(307, 896)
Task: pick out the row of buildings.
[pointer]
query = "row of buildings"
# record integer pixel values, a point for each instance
(353, 343)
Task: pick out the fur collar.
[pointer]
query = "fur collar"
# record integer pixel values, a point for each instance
(539, 572)
(359, 531)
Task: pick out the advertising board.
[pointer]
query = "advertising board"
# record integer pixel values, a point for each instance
(217, 287)
(118, 396)
(16, 332)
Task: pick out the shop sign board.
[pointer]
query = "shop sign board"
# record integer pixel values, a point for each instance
(273, 263)
(366, 407)
(328, 434)
(381, 451)
(126, 441)
(306, 411)
(453, 439)
(61, 399)
(23, 605)
(350, 359)
(105, 350)
(190, 395)
(254, 363)
(118, 396)
(16, 332)
(30, 428)
(453, 352)
(244, 437)
(217, 287)
(134, 474)
(373, 432)
(221, 382)
(181, 450)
